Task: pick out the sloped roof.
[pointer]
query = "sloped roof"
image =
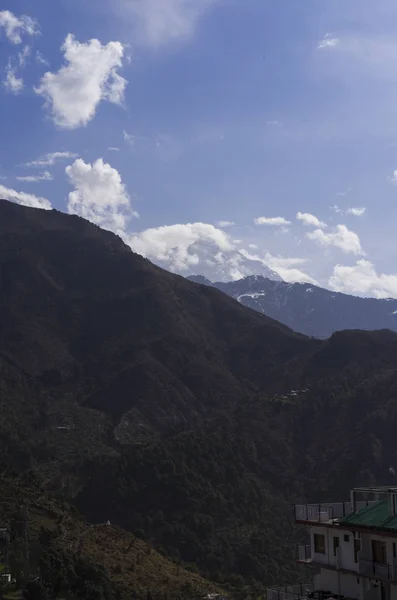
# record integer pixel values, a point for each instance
(375, 516)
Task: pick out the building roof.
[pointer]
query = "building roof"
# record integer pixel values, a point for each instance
(375, 516)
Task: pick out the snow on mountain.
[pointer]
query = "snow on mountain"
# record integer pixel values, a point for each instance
(231, 266)
(309, 309)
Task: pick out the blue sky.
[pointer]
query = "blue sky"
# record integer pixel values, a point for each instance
(276, 116)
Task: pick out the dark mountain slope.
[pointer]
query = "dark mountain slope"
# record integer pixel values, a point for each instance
(72, 302)
(307, 308)
(170, 409)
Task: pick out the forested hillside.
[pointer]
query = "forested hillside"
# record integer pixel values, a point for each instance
(172, 411)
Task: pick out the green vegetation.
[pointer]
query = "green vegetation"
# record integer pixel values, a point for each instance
(190, 423)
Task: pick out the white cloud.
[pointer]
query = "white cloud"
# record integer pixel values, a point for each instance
(310, 220)
(24, 199)
(158, 22)
(99, 195)
(342, 237)
(286, 268)
(48, 160)
(129, 138)
(224, 224)
(372, 56)
(41, 60)
(24, 55)
(89, 76)
(45, 176)
(356, 212)
(12, 83)
(113, 149)
(328, 42)
(353, 211)
(181, 246)
(16, 28)
(363, 279)
(202, 248)
(272, 221)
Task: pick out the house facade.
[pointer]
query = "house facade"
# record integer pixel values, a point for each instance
(352, 547)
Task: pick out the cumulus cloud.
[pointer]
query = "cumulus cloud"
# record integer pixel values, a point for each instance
(89, 76)
(202, 248)
(272, 221)
(363, 279)
(356, 212)
(15, 28)
(328, 42)
(310, 220)
(45, 176)
(99, 195)
(48, 160)
(24, 199)
(343, 238)
(159, 22)
(181, 246)
(224, 224)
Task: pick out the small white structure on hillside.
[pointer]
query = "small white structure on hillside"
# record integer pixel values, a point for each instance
(353, 548)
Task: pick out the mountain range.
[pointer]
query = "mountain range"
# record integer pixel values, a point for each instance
(306, 308)
(185, 419)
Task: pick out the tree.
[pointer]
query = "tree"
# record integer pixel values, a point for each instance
(34, 590)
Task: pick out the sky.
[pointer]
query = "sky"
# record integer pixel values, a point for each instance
(212, 135)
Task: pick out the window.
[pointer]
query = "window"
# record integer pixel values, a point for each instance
(379, 552)
(357, 548)
(394, 550)
(319, 543)
(346, 537)
(336, 545)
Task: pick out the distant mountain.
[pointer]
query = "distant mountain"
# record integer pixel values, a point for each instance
(222, 266)
(308, 309)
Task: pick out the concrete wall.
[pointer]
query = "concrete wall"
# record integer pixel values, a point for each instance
(366, 546)
(349, 585)
(346, 547)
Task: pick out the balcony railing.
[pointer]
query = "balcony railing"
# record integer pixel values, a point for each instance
(329, 511)
(376, 570)
(292, 592)
(305, 553)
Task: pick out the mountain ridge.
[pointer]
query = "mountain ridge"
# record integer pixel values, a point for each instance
(309, 309)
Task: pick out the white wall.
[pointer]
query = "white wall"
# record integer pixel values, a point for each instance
(346, 548)
(326, 580)
(328, 557)
(366, 545)
(349, 585)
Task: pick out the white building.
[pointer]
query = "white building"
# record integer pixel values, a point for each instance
(353, 548)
